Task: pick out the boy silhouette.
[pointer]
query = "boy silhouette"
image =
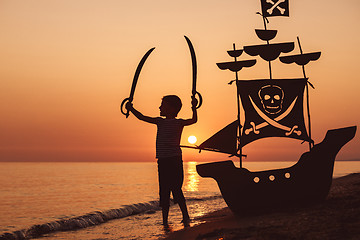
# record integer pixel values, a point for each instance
(168, 152)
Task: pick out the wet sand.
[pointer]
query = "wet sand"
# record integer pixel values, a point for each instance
(336, 218)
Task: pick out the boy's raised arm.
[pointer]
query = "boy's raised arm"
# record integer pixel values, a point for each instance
(139, 115)
(194, 116)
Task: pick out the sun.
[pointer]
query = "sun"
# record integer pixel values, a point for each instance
(192, 139)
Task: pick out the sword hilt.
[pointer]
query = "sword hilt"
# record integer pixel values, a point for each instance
(122, 107)
(200, 100)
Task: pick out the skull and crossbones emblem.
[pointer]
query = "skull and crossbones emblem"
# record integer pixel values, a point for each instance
(271, 97)
(275, 5)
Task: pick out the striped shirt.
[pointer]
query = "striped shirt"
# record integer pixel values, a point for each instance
(168, 137)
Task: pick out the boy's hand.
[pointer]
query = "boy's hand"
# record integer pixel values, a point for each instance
(194, 102)
(129, 106)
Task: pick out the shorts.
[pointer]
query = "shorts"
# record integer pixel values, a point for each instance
(171, 178)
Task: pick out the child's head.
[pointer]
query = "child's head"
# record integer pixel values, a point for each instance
(170, 106)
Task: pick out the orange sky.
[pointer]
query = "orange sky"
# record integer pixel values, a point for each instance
(65, 66)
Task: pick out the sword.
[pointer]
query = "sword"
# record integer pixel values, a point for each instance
(194, 72)
(264, 124)
(136, 77)
(289, 130)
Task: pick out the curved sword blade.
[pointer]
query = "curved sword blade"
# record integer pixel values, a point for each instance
(277, 119)
(133, 86)
(194, 72)
(137, 73)
(194, 65)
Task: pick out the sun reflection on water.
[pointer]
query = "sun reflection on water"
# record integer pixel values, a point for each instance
(191, 183)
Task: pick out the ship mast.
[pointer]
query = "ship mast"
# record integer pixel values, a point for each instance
(238, 111)
(236, 66)
(311, 144)
(302, 59)
(265, 20)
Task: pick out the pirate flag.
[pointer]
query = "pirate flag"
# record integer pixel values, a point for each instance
(271, 8)
(273, 108)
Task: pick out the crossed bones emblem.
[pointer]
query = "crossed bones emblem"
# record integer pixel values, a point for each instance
(273, 122)
(275, 5)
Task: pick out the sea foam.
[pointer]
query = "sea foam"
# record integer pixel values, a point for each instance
(83, 221)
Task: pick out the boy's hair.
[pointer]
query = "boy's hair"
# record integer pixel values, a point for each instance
(174, 102)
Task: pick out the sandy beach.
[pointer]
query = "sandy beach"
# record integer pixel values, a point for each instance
(336, 218)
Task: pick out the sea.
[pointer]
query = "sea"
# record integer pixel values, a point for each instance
(101, 200)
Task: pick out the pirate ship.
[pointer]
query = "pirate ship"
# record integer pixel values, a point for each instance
(272, 108)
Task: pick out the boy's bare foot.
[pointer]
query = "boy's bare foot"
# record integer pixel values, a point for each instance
(167, 228)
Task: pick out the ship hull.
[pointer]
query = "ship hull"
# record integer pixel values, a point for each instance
(306, 182)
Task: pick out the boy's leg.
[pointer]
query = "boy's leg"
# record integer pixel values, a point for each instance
(164, 192)
(165, 214)
(184, 210)
(165, 204)
(179, 196)
(178, 193)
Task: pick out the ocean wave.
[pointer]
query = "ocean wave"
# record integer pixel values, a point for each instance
(91, 219)
(87, 220)
(207, 198)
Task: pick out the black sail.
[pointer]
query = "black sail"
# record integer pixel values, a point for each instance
(301, 59)
(236, 66)
(269, 52)
(224, 141)
(273, 108)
